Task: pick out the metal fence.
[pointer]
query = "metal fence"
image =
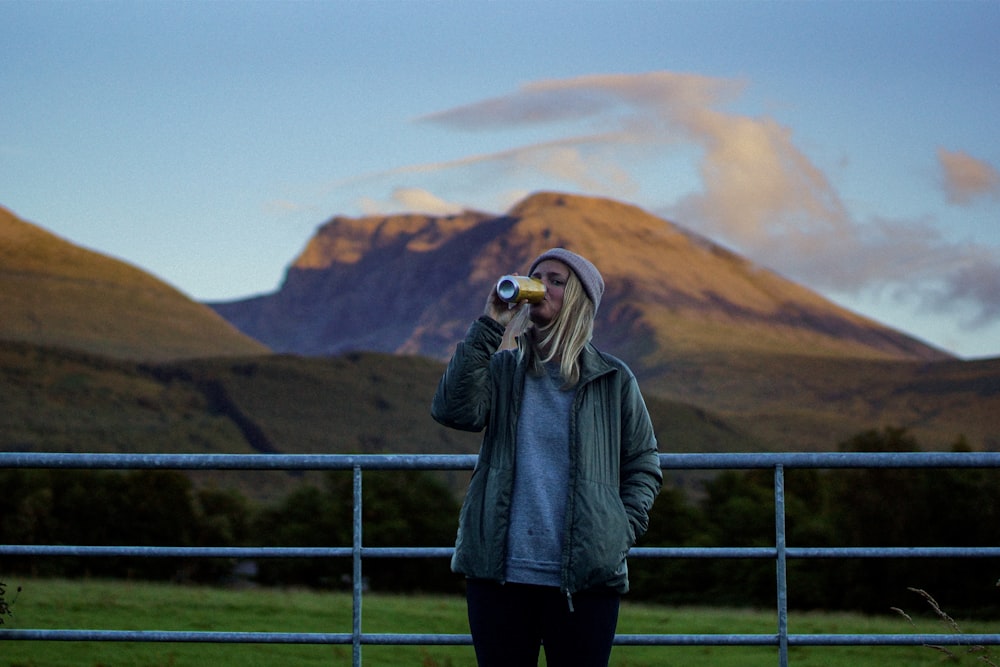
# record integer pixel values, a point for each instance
(780, 553)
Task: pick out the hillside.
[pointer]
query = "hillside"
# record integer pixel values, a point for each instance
(411, 284)
(799, 403)
(60, 400)
(699, 324)
(99, 356)
(53, 292)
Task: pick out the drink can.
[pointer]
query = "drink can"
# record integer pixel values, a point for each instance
(515, 289)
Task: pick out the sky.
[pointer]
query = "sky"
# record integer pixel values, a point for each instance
(850, 146)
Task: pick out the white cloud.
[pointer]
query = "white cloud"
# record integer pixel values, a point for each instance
(410, 200)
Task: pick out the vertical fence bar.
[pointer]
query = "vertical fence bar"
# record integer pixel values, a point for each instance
(781, 563)
(356, 574)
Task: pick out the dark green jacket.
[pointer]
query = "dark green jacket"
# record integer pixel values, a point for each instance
(614, 465)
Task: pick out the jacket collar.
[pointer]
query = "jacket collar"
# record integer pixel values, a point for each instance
(593, 364)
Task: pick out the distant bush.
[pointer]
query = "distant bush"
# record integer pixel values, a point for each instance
(831, 508)
(153, 507)
(398, 510)
(846, 508)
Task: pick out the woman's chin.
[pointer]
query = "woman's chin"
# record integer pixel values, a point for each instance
(539, 317)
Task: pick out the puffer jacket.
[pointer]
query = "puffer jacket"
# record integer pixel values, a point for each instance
(614, 465)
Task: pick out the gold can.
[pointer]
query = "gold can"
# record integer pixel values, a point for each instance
(516, 289)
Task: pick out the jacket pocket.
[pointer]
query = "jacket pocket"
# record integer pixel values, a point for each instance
(602, 536)
(469, 539)
(482, 526)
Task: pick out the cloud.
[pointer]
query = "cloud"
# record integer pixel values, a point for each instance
(757, 186)
(535, 104)
(973, 286)
(965, 178)
(590, 97)
(282, 206)
(410, 200)
(757, 191)
(607, 123)
(912, 264)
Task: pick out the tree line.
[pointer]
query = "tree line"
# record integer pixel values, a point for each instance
(877, 507)
(824, 508)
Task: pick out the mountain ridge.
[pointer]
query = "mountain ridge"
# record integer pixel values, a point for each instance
(57, 293)
(697, 357)
(668, 289)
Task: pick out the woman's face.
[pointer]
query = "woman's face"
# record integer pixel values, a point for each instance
(554, 275)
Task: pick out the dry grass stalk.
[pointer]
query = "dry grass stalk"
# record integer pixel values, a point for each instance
(4, 605)
(951, 623)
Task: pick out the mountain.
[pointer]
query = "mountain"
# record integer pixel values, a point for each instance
(98, 355)
(411, 284)
(53, 292)
(700, 325)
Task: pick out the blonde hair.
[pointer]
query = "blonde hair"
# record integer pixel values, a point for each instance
(564, 337)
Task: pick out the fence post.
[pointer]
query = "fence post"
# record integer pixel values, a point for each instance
(356, 574)
(781, 563)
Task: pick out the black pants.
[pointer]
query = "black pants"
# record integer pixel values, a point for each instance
(510, 622)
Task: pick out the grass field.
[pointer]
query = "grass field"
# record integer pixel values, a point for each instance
(108, 605)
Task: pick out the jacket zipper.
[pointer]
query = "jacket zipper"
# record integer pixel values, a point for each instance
(571, 490)
(574, 411)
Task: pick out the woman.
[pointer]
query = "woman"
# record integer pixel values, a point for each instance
(567, 472)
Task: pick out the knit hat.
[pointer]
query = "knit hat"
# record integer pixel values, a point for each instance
(590, 277)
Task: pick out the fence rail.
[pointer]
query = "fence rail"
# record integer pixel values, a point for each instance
(780, 552)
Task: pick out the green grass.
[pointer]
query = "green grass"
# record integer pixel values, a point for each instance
(107, 605)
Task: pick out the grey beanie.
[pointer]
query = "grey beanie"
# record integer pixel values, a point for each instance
(590, 277)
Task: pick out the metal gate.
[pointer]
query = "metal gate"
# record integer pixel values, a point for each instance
(780, 553)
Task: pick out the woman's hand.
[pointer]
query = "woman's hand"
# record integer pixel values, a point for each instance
(498, 309)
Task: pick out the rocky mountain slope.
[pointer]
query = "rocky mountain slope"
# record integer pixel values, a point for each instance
(723, 342)
(53, 292)
(699, 324)
(411, 284)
